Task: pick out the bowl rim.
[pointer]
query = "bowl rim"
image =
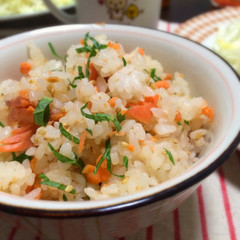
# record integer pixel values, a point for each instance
(124, 205)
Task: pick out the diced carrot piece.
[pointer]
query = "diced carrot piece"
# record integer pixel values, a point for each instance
(25, 67)
(56, 116)
(81, 41)
(93, 74)
(162, 84)
(142, 110)
(112, 101)
(24, 93)
(115, 46)
(168, 76)
(178, 117)
(130, 148)
(141, 51)
(102, 174)
(81, 142)
(208, 112)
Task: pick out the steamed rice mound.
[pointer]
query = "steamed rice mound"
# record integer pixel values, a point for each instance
(154, 129)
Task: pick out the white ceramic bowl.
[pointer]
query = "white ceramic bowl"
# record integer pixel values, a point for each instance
(208, 75)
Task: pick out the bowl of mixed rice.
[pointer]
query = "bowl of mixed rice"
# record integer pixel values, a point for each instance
(106, 121)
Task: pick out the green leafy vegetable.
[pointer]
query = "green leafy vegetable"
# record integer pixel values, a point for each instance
(106, 155)
(124, 61)
(63, 158)
(54, 51)
(170, 156)
(48, 182)
(66, 134)
(2, 125)
(20, 158)
(100, 117)
(154, 76)
(42, 111)
(125, 162)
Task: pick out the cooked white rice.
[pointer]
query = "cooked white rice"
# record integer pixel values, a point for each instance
(156, 150)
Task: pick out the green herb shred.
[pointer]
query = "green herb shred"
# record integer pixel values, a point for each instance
(154, 76)
(79, 77)
(20, 158)
(100, 117)
(124, 61)
(125, 162)
(106, 155)
(2, 125)
(186, 122)
(42, 111)
(68, 135)
(64, 197)
(179, 123)
(54, 51)
(48, 182)
(91, 49)
(170, 156)
(89, 131)
(120, 117)
(63, 158)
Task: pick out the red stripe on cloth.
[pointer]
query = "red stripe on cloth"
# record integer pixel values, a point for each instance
(176, 224)
(149, 233)
(168, 26)
(202, 213)
(227, 205)
(14, 231)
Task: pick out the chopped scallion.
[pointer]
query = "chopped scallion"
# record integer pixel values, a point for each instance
(2, 125)
(186, 122)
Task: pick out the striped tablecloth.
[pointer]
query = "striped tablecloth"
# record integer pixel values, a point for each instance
(211, 213)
